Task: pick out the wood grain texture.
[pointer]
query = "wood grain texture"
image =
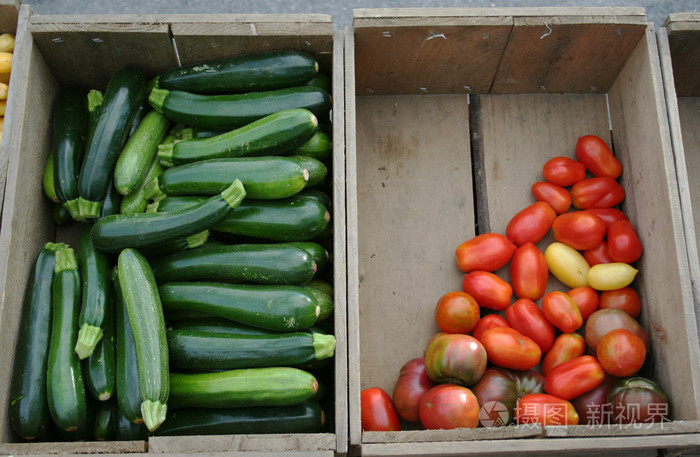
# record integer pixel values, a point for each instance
(429, 14)
(689, 118)
(641, 429)
(9, 10)
(293, 442)
(684, 40)
(95, 447)
(463, 434)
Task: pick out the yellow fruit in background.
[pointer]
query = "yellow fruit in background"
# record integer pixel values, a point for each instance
(3, 106)
(611, 276)
(567, 264)
(7, 42)
(5, 62)
(3, 91)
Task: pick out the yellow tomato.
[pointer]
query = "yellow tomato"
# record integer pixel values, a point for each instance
(611, 276)
(567, 264)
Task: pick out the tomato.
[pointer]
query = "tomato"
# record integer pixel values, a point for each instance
(608, 215)
(529, 272)
(488, 290)
(638, 400)
(455, 358)
(621, 353)
(377, 411)
(546, 410)
(457, 312)
(567, 346)
(574, 377)
(596, 156)
(561, 311)
(586, 298)
(579, 230)
(598, 254)
(557, 197)
(607, 320)
(412, 383)
(593, 407)
(448, 406)
(625, 299)
(531, 223)
(508, 348)
(611, 276)
(487, 322)
(597, 193)
(567, 264)
(527, 318)
(624, 244)
(504, 387)
(563, 171)
(487, 252)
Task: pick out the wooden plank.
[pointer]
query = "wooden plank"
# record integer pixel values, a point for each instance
(297, 442)
(428, 436)
(684, 40)
(89, 447)
(640, 429)
(9, 10)
(689, 118)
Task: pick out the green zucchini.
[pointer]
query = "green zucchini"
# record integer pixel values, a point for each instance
(214, 325)
(206, 133)
(256, 263)
(120, 231)
(100, 368)
(64, 378)
(48, 179)
(322, 80)
(324, 300)
(112, 202)
(173, 247)
(276, 386)
(318, 252)
(84, 431)
(137, 201)
(317, 169)
(272, 135)
(103, 430)
(29, 410)
(316, 195)
(233, 111)
(145, 312)
(319, 147)
(61, 216)
(323, 286)
(96, 269)
(124, 430)
(306, 417)
(125, 92)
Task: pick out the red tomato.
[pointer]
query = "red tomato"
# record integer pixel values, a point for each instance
(455, 358)
(448, 406)
(608, 215)
(505, 387)
(487, 322)
(621, 353)
(546, 410)
(529, 272)
(487, 252)
(638, 400)
(377, 411)
(586, 298)
(598, 254)
(574, 377)
(607, 320)
(597, 193)
(625, 299)
(412, 383)
(508, 348)
(488, 290)
(567, 346)
(527, 318)
(562, 311)
(557, 197)
(579, 230)
(457, 312)
(624, 244)
(531, 223)
(596, 156)
(563, 171)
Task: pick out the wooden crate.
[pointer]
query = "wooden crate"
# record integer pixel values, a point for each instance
(86, 51)
(451, 114)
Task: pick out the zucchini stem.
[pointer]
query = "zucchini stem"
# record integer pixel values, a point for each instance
(324, 345)
(234, 194)
(157, 98)
(73, 207)
(153, 413)
(88, 209)
(151, 189)
(88, 337)
(198, 239)
(65, 260)
(165, 153)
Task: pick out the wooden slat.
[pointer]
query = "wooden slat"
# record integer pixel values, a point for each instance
(640, 429)
(689, 118)
(684, 40)
(301, 442)
(96, 447)
(9, 10)
(429, 436)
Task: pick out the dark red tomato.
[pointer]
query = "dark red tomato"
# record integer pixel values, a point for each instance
(596, 156)
(621, 353)
(508, 348)
(597, 193)
(457, 312)
(625, 299)
(563, 171)
(598, 254)
(487, 252)
(531, 223)
(562, 311)
(377, 411)
(607, 320)
(529, 272)
(557, 197)
(624, 244)
(638, 400)
(487, 322)
(574, 377)
(488, 290)
(579, 230)
(593, 407)
(546, 410)
(455, 358)
(608, 215)
(586, 298)
(499, 386)
(567, 346)
(448, 406)
(526, 317)
(412, 383)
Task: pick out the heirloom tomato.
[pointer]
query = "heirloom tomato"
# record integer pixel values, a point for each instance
(598, 254)
(593, 407)
(455, 358)
(529, 272)
(621, 353)
(608, 215)
(487, 252)
(567, 346)
(457, 312)
(562, 311)
(449, 406)
(531, 223)
(487, 322)
(557, 197)
(638, 400)
(606, 320)
(377, 411)
(527, 318)
(597, 193)
(567, 264)
(579, 230)
(508, 348)
(563, 171)
(412, 383)
(596, 156)
(574, 377)
(611, 276)
(488, 290)
(625, 299)
(586, 298)
(499, 387)
(545, 409)
(624, 244)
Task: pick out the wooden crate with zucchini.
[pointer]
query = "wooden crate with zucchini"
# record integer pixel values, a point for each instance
(179, 206)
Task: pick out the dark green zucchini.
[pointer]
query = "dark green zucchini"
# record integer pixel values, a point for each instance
(319, 147)
(318, 196)
(112, 202)
(323, 286)
(217, 325)
(137, 201)
(317, 169)
(100, 368)
(61, 216)
(124, 430)
(206, 133)
(173, 247)
(94, 105)
(102, 429)
(84, 432)
(318, 252)
(324, 300)
(322, 80)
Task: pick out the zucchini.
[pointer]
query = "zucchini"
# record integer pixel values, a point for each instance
(100, 368)
(103, 430)
(306, 417)
(172, 247)
(125, 92)
(64, 377)
(324, 300)
(137, 201)
(274, 134)
(322, 80)
(232, 111)
(112, 202)
(256, 263)
(319, 147)
(96, 269)
(323, 286)
(85, 431)
(144, 230)
(281, 308)
(264, 71)
(218, 326)
(29, 410)
(124, 430)
(61, 216)
(206, 133)
(316, 195)
(48, 179)
(94, 104)
(317, 169)
(318, 252)
(276, 386)
(145, 312)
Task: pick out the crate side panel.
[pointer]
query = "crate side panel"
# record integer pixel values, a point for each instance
(302, 442)
(689, 114)
(9, 10)
(684, 42)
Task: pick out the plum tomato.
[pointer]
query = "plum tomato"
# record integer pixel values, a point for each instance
(499, 385)
(457, 312)
(596, 156)
(579, 230)
(508, 348)
(608, 215)
(561, 311)
(625, 299)
(378, 413)
(545, 409)
(487, 322)
(488, 290)
(531, 223)
(449, 406)
(597, 193)
(606, 320)
(574, 377)
(586, 298)
(459, 359)
(558, 198)
(598, 254)
(621, 353)
(527, 318)
(487, 252)
(563, 171)
(624, 244)
(611, 276)
(567, 346)
(529, 272)
(567, 264)
(638, 400)
(412, 383)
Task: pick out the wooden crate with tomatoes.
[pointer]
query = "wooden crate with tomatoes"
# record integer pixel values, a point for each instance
(517, 272)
